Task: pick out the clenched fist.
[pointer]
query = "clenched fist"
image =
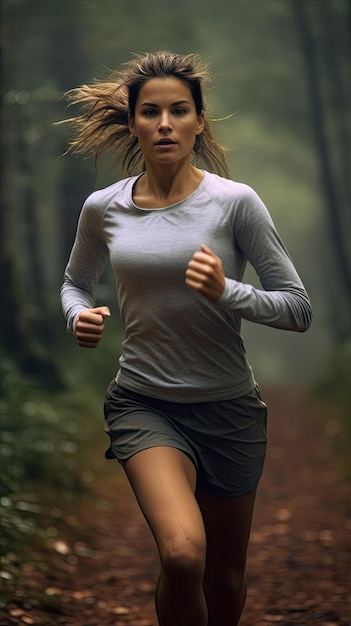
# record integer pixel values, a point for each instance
(205, 274)
(90, 326)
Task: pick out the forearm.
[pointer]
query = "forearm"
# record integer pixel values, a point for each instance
(287, 309)
(74, 300)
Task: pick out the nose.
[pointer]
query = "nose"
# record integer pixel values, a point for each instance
(165, 122)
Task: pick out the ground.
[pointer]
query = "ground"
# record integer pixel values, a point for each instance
(299, 565)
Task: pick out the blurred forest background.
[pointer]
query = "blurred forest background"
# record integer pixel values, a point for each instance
(282, 71)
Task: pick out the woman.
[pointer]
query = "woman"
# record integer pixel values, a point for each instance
(184, 413)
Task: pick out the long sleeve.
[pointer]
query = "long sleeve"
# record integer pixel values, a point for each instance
(85, 266)
(283, 302)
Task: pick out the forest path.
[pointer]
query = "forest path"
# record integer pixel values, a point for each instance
(299, 566)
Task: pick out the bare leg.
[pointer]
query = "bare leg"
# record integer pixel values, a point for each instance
(228, 523)
(163, 479)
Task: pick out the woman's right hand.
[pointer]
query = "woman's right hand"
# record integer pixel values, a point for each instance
(90, 326)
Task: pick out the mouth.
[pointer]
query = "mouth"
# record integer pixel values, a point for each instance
(165, 142)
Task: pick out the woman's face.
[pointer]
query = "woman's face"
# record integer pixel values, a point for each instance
(165, 121)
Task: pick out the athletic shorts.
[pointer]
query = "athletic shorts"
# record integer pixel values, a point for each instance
(226, 440)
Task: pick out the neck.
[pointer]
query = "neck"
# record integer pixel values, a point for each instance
(166, 182)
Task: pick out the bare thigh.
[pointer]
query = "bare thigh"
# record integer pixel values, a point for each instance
(163, 479)
(228, 523)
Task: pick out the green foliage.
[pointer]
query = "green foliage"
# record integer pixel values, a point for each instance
(44, 450)
(334, 391)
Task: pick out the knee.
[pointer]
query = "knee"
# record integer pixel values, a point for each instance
(225, 580)
(184, 559)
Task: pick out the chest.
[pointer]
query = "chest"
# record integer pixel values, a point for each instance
(146, 244)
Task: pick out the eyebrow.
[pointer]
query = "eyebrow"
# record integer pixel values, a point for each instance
(151, 104)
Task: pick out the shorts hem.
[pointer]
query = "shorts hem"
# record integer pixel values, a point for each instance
(111, 455)
(221, 493)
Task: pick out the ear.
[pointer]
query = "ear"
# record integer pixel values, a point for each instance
(131, 126)
(200, 123)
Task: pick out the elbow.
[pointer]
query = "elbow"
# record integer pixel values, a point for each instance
(300, 311)
(304, 327)
(305, 318)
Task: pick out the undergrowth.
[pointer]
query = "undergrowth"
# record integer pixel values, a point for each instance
(45, 464)
(333, 390)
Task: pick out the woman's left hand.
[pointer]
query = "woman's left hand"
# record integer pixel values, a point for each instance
(205, 274)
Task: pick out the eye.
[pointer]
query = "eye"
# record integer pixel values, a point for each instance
(179, 111)
(149, 112)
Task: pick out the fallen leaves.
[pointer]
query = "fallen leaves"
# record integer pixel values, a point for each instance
(53, 591)
(283, 515)
(24, 617)
(61, 547)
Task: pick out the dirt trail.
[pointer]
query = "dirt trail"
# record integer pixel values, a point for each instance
(299, 567)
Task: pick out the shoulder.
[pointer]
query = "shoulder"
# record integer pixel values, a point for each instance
(99, 200)
(238, 201)
(240, 204)
(225, 191)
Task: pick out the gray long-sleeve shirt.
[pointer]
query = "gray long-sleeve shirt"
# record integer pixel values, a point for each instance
(178, 346)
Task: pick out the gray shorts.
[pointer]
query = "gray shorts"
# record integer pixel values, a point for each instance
(226, 440)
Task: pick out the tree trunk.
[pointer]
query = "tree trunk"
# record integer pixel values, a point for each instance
(328, 178)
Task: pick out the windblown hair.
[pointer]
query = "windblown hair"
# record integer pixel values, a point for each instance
(103, 124)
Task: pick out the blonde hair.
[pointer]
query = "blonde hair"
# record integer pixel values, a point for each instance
(103, 124)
